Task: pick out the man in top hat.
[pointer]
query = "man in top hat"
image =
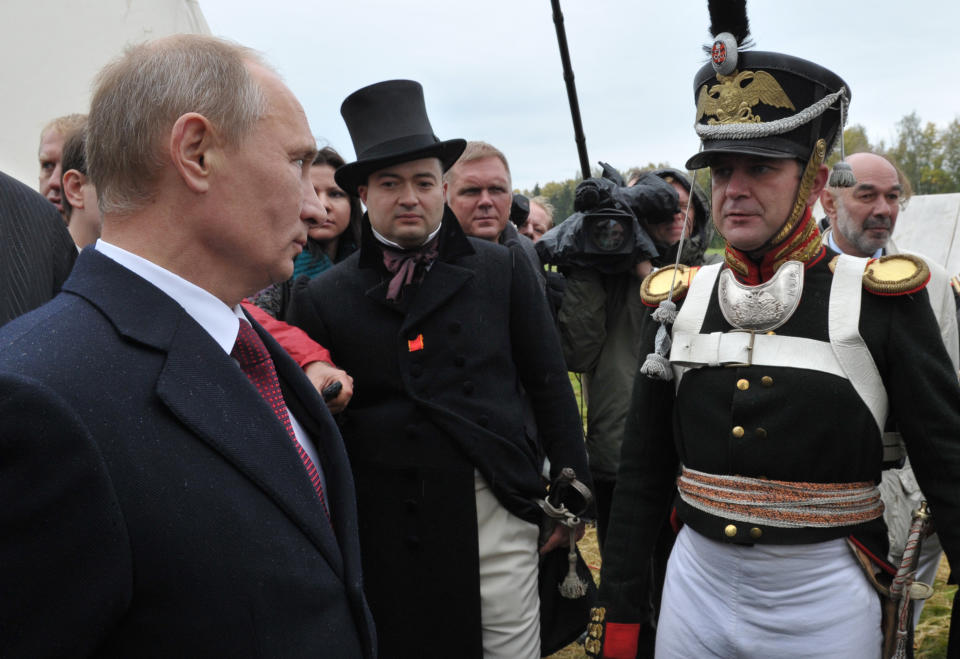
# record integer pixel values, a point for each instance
(438, 331)
(768, 392)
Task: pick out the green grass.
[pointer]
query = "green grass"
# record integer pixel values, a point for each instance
(575, 379)
(930, 641)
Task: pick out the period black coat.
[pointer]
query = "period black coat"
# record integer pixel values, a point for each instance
(794, 425)
(153, 504)
(436, 397)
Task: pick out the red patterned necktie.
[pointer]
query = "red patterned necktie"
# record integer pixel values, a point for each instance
(255, 362)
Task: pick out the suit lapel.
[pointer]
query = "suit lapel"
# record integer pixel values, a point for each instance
(210, 394)
(302, 398)
(207, 391)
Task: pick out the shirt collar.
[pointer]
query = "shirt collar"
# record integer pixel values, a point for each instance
(833, 244)
(389, 243)
(219, 320)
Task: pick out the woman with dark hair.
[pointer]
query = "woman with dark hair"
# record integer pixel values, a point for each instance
(333, 239)
(329, 240)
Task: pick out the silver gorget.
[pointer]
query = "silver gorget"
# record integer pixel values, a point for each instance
(765, 306)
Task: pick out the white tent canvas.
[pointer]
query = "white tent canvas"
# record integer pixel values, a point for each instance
(52, 49)
(928, 226)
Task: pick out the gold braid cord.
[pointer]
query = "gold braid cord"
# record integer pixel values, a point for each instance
(593, 644)
(806, 182)
(802, 247)
(735, 263)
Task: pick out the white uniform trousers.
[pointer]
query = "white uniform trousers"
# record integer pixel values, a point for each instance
(762, 601)
(509, 570)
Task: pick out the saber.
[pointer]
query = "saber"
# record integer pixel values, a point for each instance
(556, 510)
(904, 588)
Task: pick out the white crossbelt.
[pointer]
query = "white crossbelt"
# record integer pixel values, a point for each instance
(851, 351)
(748, 348)
(845, 355)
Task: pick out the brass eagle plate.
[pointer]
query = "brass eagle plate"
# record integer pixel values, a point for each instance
(731, 101)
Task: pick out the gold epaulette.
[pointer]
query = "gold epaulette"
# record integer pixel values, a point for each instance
(955, 283)
(893, 274)
(656, 286)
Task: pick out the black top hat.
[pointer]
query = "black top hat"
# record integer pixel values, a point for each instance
(761, 103)
(388, 125)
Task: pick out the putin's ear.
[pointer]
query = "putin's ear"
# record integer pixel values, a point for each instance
(191, 143)
(71, 186)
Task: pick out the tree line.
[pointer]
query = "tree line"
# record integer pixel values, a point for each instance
(928, 155)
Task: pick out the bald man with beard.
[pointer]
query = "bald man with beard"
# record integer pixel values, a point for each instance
(862, 220)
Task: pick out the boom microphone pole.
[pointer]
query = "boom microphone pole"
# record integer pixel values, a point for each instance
(571, 89)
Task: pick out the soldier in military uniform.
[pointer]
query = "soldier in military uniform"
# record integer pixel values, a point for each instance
(767, 393)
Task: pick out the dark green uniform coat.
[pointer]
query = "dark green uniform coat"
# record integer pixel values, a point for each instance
(802, 425)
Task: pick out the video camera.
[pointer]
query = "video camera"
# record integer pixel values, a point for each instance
(604, 232)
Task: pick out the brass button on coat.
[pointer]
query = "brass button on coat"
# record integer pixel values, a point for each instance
(743, 384)
(766, 381)
(756, 532)
(737, 431)
(761, 433)
(730, 531)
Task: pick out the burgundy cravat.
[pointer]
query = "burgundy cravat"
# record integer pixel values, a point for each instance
(255, 361)
(408, 265)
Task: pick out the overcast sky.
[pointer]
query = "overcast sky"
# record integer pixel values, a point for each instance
(491, 69)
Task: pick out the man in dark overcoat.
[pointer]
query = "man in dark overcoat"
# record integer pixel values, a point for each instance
(439, 331)
(172, 483)
(36, 252)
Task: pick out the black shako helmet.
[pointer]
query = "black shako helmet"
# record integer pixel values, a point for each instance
(388, 124)
(762, 104)
(768, 105)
